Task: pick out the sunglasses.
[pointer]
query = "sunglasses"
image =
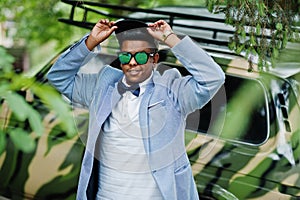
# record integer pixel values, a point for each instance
(141, 58)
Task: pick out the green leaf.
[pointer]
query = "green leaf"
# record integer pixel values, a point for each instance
(279, 26)
(232, 45)
(6, 60)
(252, 40)
(261, 9)
(253, 51)
(35, 122)
(22, 110)
(210, 5)
(53, 100)
(2, 141)
(17, 104)
(20, 82)
(258, 29)
(275, 53)
(285, 39)
(4, 87)
(243, 34)
(22, 140)
(240, 49)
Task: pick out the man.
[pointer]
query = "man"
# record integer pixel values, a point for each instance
(135, 147)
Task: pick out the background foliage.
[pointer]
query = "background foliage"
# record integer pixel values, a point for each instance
(13, 87)
(262, 27)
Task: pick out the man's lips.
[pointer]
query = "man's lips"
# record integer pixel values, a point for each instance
(133, 72)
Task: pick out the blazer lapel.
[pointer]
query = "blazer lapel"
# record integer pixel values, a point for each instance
(144, 116)
(109, 101)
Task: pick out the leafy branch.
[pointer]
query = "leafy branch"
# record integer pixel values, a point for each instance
(262, 27)
(14, 103)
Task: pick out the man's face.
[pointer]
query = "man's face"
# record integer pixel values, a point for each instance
(136, 73)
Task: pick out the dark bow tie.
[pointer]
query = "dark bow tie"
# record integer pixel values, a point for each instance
(134, 89)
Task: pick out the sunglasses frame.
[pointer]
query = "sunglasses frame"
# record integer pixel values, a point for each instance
(151, 54)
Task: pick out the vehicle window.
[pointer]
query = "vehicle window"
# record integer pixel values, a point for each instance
(256, 127)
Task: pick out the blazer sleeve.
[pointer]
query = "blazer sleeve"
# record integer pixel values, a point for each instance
(194, 91)
(64, 73)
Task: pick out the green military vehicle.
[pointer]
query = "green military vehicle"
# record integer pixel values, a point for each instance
(244, 144)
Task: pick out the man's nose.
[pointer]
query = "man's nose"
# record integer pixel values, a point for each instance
(132, 61)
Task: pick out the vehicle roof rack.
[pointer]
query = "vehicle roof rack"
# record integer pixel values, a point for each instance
(151, 15)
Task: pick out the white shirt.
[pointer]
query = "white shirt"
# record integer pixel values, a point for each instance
(124, 169)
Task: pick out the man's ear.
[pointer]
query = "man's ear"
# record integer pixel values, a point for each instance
(156, 58)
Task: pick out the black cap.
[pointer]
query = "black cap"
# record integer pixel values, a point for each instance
(133, 30)
(128, 24)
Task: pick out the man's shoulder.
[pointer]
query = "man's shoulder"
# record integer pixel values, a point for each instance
(166, 72)
(111, 72)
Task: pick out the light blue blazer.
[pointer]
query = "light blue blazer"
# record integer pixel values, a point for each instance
(167, 101)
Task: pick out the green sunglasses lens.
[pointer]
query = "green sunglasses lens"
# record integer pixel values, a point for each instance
(124, 58)
(141, 58)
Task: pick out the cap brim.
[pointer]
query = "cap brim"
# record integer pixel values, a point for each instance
(126, 24)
